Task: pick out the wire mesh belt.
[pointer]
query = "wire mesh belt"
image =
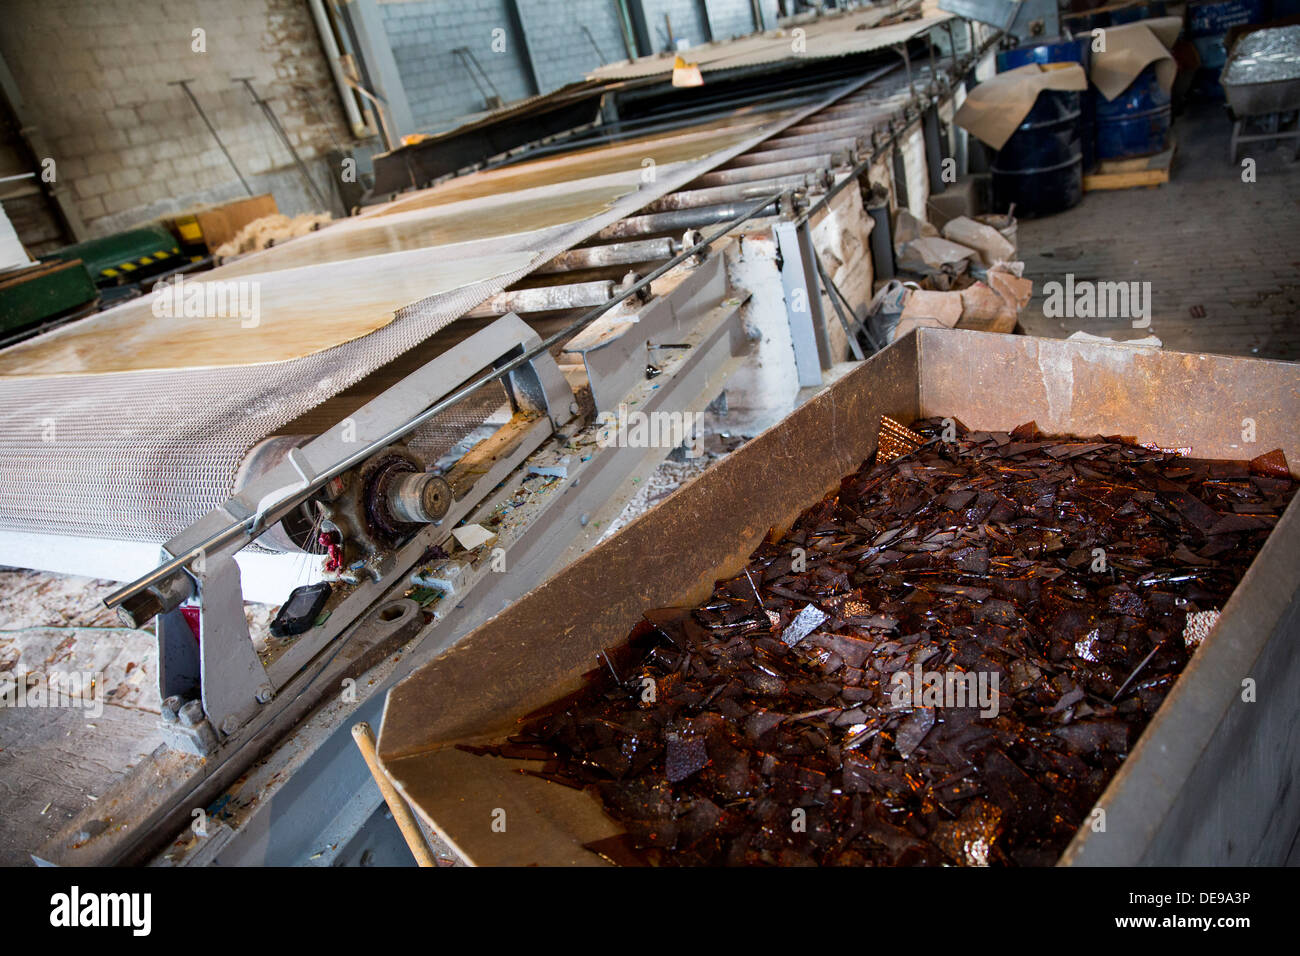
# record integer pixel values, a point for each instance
(437, 437)
(142, 455)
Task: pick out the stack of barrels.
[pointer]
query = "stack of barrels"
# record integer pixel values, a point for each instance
(1040, 168)
(1067, 133)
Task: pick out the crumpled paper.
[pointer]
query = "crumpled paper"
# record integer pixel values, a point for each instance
(1130, 49)
(995, 108)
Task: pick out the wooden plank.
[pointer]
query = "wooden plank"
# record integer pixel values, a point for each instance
(1131, 173)
(223, 223)
(35, 270)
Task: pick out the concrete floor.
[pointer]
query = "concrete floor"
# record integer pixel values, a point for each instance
(1222, 255)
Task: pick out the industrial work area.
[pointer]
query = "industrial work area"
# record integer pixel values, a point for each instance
(669, 433)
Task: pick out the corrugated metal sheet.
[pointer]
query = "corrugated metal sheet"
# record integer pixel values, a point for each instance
(828, 37)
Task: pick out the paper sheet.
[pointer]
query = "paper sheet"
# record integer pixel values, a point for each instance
(994, 108)
(1130, 49)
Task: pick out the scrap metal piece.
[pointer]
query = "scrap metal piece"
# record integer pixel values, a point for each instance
(804, 623)
(1198, 627)
(896, 440)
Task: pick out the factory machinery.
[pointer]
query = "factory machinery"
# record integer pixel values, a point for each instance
(434, 452)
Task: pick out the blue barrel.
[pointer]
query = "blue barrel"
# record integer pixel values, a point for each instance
(1135, 123)
(1040, 168)
(1215, 18)
(1058, 50)
(1208, 24)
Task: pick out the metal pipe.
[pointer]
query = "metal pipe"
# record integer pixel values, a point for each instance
(574, 295)
(828, 157)
(250, 529)
(594, 45)
(753, 174)
(185, 85)
(840, 141)
(332, 55)
(875, 109)
(675, 221)
(611, 254)
(274, 122)
(739, 192)
(837, 126)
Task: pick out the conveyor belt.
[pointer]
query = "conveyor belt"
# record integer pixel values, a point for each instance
(140, 455)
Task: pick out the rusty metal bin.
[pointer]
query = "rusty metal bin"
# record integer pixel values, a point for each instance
(1209, 781)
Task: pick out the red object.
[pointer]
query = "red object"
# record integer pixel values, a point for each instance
(191, 612)
(329, 541)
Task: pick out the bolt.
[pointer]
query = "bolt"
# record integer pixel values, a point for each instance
(230, 725)
(191, 713)
(265, 694)
(170, 706)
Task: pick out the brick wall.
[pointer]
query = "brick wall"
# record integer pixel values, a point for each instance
(731, 18)
(439, 86)
(95, 77)
(687, 20)
(441, 92)
(563, 53)
(95, 73)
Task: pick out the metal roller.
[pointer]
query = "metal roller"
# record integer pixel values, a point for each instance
(826, 157)
(611, 254)
(695, 198)
(575, 295)
(753, 174)
(679, 220)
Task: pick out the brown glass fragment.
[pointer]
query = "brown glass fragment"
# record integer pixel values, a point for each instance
(1072, 576)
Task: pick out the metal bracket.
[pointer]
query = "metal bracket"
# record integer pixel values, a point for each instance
(221, 668)
(615, 356)
(803, 304)
(1023, 19)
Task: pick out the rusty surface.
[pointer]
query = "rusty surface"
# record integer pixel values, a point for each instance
(1186, 400)
(536, 650)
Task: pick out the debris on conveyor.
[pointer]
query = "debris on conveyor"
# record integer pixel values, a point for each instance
(982, 627)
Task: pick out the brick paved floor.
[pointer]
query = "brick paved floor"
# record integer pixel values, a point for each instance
(1205, 241)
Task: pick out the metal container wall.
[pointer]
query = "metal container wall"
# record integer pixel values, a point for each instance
(1040, 168)
(1135, 123)
(1209, 781)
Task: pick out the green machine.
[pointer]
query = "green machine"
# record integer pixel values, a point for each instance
(73, 281)
(125, 256)
(42, 292)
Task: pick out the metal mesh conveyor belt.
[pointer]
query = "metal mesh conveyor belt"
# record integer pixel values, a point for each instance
(142, 455)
